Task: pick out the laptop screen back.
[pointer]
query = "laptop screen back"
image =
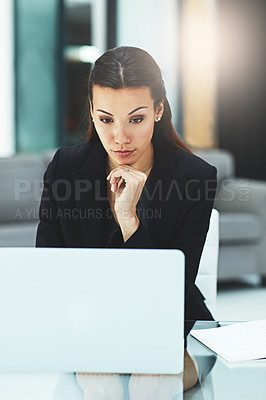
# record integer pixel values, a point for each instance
(91, 310)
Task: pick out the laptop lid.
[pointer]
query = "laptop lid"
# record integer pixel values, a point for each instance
(91, 310)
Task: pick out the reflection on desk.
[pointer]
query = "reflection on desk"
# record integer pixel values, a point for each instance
(217, 381)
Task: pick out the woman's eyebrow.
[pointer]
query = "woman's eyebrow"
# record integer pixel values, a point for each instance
(136, 109)
(131, 112)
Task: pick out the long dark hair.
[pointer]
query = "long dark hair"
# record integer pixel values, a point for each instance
(128, 66)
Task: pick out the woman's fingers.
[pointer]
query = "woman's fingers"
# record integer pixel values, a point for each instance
(118, 184)
(125, 173)
(119, 177)
(127, 183)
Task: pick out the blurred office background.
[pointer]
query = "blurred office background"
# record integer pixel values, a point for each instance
(213, 59)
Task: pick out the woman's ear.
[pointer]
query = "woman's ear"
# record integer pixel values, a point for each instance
(159, 111)
(91, 110)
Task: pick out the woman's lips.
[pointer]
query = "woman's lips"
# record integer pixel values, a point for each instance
(123, 153)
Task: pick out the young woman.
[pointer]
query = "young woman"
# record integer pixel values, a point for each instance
(134, 183)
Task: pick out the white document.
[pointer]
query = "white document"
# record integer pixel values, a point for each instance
(237, 342)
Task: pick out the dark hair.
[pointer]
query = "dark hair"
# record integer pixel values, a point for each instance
(128, 66)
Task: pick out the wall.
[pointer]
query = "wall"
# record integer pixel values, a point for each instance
(242, 85)
(36, 74)
(199, 66)
(7, 141)
(153, 26)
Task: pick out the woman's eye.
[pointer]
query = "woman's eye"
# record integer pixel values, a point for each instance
(134, 120)
(106, 120)
(137, 120)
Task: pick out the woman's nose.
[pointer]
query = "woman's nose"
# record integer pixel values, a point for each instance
(120, 136)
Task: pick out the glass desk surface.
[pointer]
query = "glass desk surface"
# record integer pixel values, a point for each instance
(218, 380)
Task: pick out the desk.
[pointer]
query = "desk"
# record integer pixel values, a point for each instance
(218, 380)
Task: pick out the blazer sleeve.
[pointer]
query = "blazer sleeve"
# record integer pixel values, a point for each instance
(190, 238)
(191, 235)
(49, 233)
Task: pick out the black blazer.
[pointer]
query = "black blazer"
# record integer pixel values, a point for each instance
(174, 208)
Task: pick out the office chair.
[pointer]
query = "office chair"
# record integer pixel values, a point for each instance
(207, 276)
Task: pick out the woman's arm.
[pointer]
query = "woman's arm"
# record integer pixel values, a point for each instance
(191, 235)
(127, 184)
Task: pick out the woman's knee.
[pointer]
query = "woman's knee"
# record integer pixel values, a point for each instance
(191, 371)
(155, 387)
(100, 386)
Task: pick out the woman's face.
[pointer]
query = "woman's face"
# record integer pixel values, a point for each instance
(124, 120)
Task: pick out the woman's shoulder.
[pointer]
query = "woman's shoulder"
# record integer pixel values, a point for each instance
(191, 165)
(194, 173)
(69, 157)
(75, 155)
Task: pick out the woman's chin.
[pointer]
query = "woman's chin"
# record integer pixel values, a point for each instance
(126, 161)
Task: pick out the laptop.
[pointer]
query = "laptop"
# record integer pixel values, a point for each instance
(91, 310)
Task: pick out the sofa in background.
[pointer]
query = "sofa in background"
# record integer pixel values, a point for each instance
(241, 203)
(21, 184)
(20, 190)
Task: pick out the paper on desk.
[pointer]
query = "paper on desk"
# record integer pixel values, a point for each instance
(237, 342)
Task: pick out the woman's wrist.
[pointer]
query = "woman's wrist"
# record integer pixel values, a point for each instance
(129, 223)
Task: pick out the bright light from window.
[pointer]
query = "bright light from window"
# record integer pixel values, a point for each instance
(199, 66)
(86, 54)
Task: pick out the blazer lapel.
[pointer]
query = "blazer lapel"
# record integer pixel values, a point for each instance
(161, 198)
(91, 196)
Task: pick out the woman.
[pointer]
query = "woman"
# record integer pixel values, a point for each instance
(134, 183)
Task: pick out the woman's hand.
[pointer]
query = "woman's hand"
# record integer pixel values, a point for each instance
(127, 183)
